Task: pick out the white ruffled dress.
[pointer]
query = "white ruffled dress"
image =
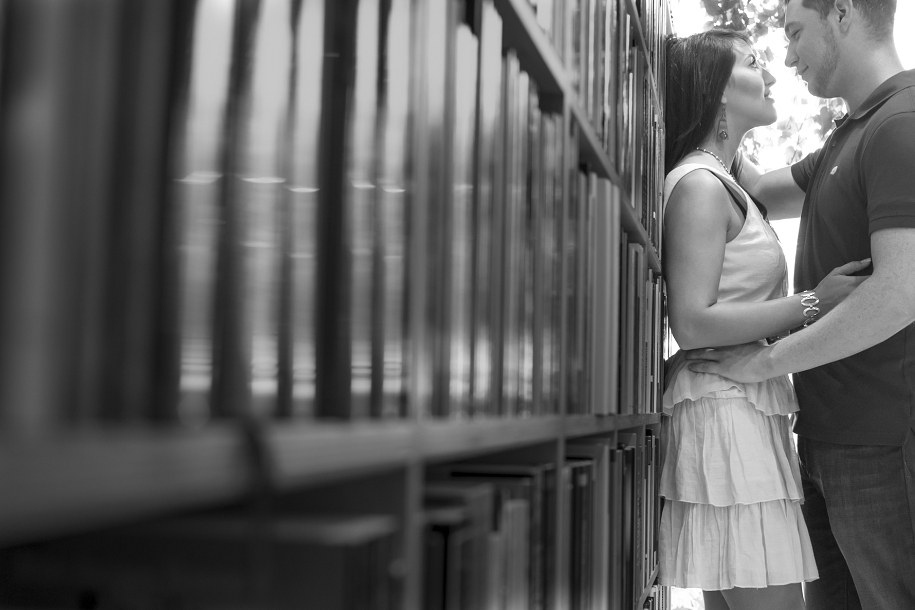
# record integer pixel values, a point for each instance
(730, 474)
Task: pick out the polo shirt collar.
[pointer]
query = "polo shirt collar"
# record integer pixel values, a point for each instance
(885, 91)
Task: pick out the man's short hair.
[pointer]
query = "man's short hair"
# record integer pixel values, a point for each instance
(880, 14)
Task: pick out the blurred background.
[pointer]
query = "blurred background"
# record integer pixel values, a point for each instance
(803, 119)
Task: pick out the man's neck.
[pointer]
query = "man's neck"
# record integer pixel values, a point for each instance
(869, 71)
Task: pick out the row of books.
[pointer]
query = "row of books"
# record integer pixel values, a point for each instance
(615, 335)
(642, 319)
(492, 533)
(217, 220)
(647, 473)
(613, 79)
(648, 189)
(648, 192)
(497, 534)
(330, 562)
(284, 208)
(601, 73)
(653, 17)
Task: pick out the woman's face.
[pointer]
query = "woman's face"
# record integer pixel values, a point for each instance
(747, 93)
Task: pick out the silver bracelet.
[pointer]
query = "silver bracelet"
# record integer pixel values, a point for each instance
(809, 302)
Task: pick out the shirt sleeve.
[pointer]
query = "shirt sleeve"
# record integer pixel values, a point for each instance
(802, 171)
(888, 174)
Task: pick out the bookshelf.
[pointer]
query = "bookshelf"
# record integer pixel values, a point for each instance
(302, 293)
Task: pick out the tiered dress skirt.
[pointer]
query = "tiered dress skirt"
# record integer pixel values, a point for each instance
(731, 483)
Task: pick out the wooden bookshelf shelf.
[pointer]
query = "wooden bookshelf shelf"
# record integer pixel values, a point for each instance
(535, 50)
(638, 233)
(590, 147)
(69, 482)
(584, 425)
(447, 440)
(647, 591)
(311, 452)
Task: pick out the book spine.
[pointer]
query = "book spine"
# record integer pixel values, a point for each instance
(394, 158)
(487, 200)
(261, 182)
(147, 43)
(461, 221)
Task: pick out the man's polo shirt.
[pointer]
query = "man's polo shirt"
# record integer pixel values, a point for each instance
(861, 181)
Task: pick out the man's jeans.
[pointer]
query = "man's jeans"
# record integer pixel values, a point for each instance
(860, 511)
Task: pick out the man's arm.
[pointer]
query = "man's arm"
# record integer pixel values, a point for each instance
(882, 305)
(776, 189)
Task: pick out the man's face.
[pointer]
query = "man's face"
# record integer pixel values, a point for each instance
(812, 48)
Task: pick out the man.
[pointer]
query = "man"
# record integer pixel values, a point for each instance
(856, 381)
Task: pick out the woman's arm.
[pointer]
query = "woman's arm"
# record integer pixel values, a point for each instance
(697, 219)
(884, 306)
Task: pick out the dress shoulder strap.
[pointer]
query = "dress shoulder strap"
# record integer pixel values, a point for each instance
(677, 174)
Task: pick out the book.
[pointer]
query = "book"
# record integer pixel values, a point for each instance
(478, 500)
(147, 40)
(507, 238)
(531, 300)
(550, 265)
(57, 163)
(302, 194)
(486, 215)
(358, 301)
(628, 539)
(460, 220)
(528, 483)
(613, 278)
(448, 558)
(591, 233)
(258, 200)
(581, 472)
(390, 338)
(610, 80)
(439, 28)
(595, 72)
(231, 335)
(345, 278)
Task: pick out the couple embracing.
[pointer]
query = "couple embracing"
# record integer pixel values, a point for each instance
(747, 518)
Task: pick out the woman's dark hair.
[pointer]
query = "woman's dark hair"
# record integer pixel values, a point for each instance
(698, 70)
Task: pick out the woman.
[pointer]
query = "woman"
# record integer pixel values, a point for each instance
(731, 524)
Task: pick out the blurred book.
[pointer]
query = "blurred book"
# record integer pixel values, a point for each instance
(332, 562)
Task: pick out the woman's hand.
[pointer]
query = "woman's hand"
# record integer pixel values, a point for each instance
(840, 283)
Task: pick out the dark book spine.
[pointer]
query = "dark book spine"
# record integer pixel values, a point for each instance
(333, 397)
(56, 161)
(146, 41)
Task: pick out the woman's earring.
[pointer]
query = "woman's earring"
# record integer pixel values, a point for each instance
(723, 125)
